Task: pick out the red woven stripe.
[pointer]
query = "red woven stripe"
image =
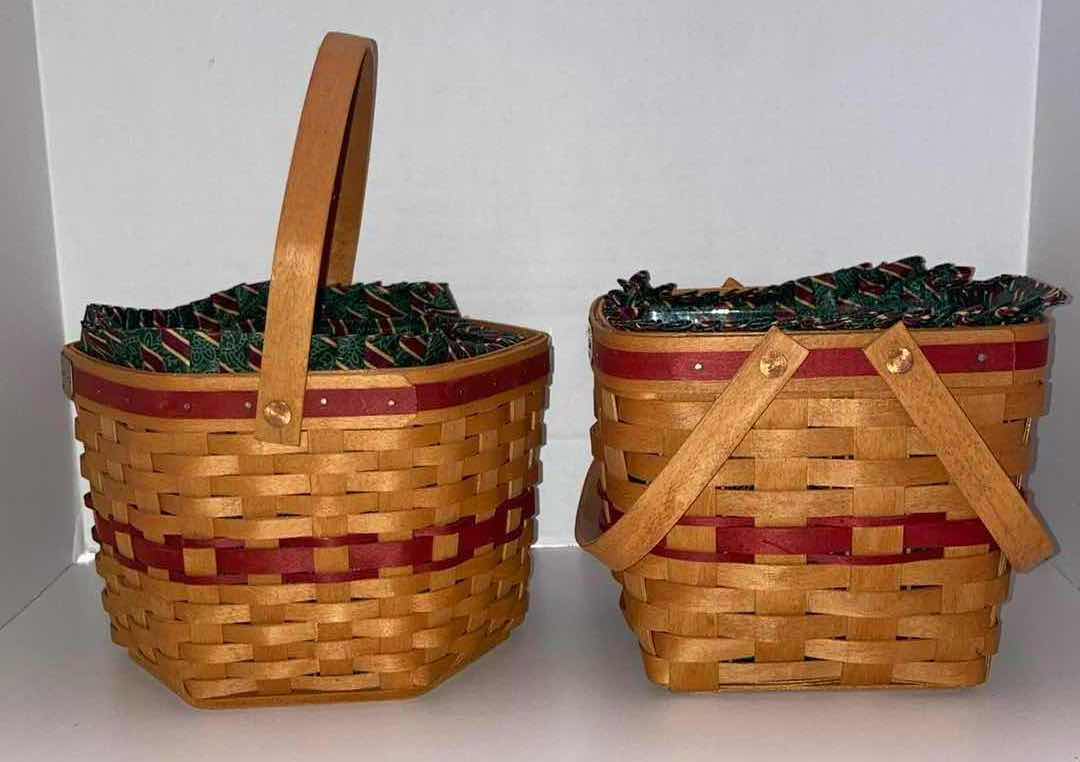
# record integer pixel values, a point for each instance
(964, 358)
(820, 363)
(295, 558)
(792, 540)
(481, 385)
(317, 402)
(833, 363)
(716, 521)
(1032, 354)
(874, 521)
(702, 557)
(226, 404)
(947, 534)
(825, 539)
(899, 558)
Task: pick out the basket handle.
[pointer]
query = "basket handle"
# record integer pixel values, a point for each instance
(319, 225)
(928, 402)
(760, 378)
(982, 481)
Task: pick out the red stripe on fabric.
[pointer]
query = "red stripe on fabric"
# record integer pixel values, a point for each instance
(820, 363)
(318, 403)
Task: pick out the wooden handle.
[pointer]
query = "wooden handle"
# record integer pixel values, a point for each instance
(967, 458)
(762, 375)
(319, 225)
(896, 356)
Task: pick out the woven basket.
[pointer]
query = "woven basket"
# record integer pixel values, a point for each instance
(288, 536)
(814, 510)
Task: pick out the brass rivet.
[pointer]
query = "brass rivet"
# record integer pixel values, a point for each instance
(899, 361)
(773, 365)
(277, 414)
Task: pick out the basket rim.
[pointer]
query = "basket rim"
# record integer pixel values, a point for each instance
(604, 332)
(534, 342)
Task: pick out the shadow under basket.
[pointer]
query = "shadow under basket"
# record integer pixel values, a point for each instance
(814, 510)
(282, 536)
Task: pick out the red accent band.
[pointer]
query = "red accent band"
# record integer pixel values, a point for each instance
(1032, 354)
(294, 560)
(338, 402)
(820, 363)
(825, 540)
(471, 388)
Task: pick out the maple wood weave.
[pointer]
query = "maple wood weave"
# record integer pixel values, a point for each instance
(372, 561)
(281, 535)
(833, 548)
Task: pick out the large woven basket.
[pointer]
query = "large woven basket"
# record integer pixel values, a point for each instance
(814, 510)
(289, 536)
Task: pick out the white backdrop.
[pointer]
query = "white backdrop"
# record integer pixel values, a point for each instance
(37, 497)
(531, 153)
(1055, 256)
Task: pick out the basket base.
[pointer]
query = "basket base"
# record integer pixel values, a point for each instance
(297, 698)
(660, 673)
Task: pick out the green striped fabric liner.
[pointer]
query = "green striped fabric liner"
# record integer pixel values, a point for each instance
(861, 297)
(362, 326)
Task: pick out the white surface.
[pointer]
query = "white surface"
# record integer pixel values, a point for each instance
(37, 500)
(568, 685)
(1055, 256)
(531, 153)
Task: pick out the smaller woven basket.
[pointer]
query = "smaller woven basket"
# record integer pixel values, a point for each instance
(286, 536)
(829, 509)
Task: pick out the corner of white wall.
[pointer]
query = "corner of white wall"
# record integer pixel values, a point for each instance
(1053, 243)
(82, 544)
(38, 504)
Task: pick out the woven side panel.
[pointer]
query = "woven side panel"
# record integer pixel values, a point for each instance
(365, 563)
(831, 550)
